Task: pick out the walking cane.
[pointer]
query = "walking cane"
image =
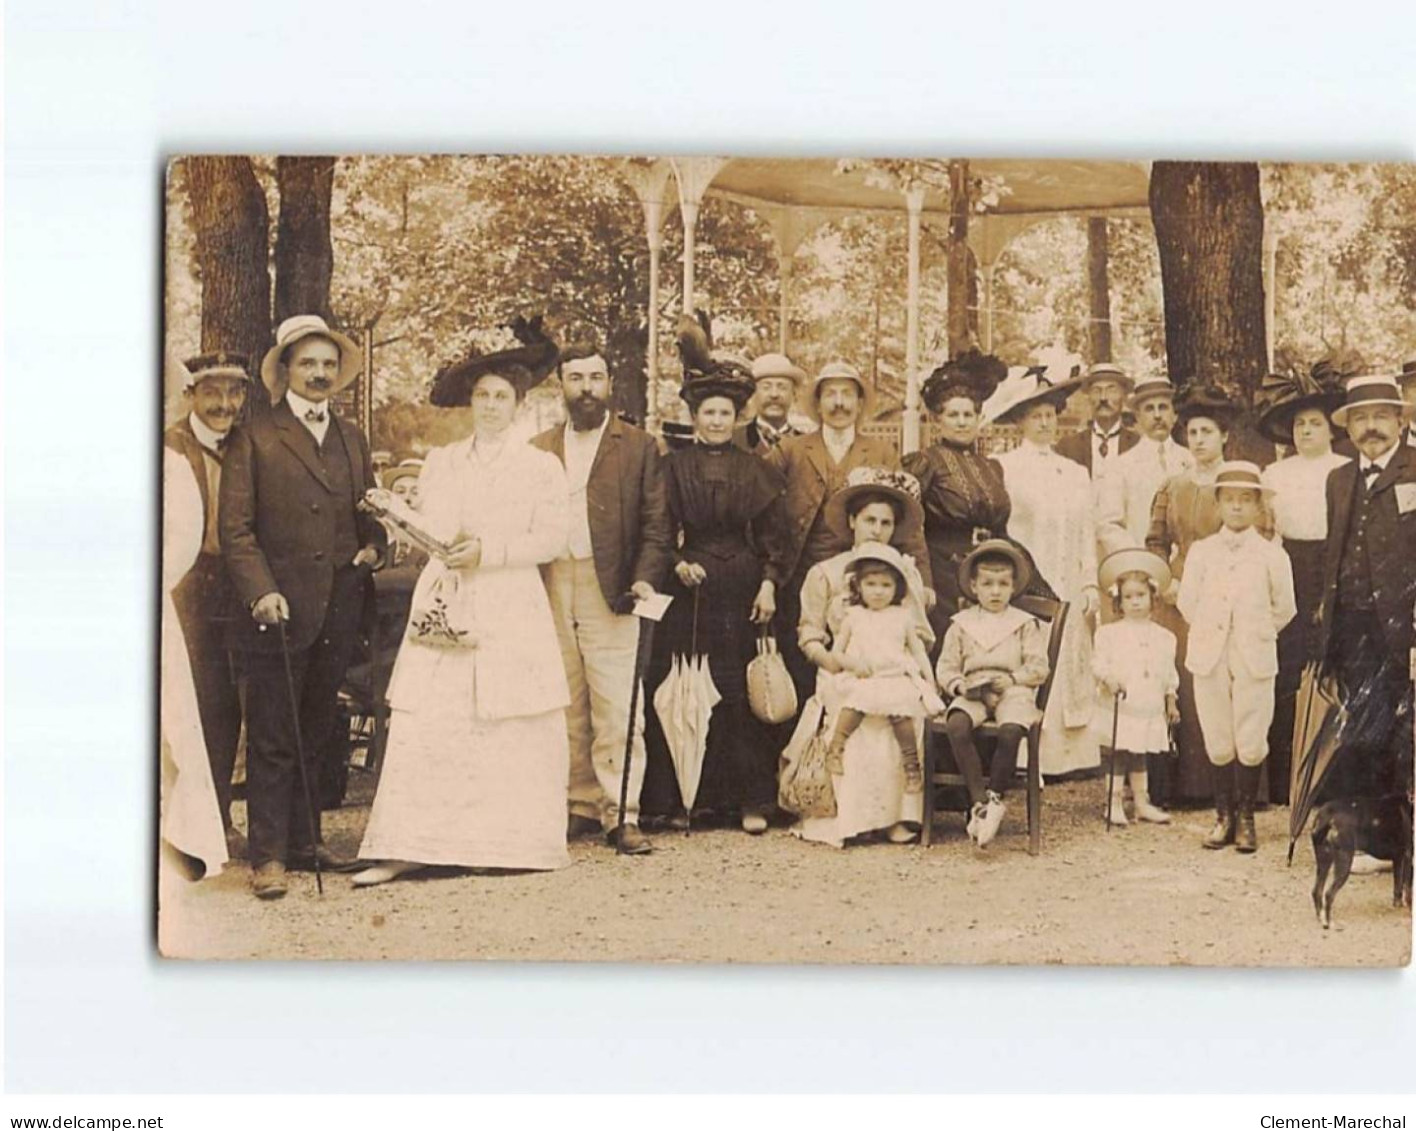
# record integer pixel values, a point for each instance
(300, 756)
(641, 658)
(1111, 777)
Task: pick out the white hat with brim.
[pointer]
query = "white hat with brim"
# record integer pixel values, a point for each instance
(403, 471)
(1107, 371)
(995, 548)
(1151, 388)
(1366, 391)
(900, 487)
(777, 365)
(880, 552)
(1134, 559)
(292, 330)
(838, 371)
(1022, 391)
(1239, 474)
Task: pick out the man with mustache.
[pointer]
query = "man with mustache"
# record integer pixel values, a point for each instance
(618, 551)
(776, 379)
(1124, 496)
(300, 555)
(1101, 444)
(215, 389)
(815, 467)
(1365, 626)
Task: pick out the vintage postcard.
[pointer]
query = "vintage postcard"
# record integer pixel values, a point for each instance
(690, 559)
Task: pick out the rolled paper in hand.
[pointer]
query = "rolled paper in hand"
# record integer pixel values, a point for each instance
(388, 507)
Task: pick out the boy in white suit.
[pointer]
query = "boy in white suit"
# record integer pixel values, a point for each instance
(1236, 594)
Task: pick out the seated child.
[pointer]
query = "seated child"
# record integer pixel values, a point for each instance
(1133, 660)
(877, 643)
(993, 660)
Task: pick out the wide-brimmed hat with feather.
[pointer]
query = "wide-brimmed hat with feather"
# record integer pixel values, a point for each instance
(525, 365)
(972, 374)
(1025, 388)
(709, 373)
(1282, 396)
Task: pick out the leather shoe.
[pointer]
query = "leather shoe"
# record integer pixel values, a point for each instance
(631, 843)
(330, 861)
(580, 826)
(269, 880)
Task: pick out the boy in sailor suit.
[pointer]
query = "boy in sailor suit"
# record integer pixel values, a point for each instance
(1236, 594)
(993, 660)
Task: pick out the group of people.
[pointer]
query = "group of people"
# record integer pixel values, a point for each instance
(895, 590)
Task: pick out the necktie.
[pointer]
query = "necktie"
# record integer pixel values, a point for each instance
(220, 445)
(1369, 476)
(1105, 444)
(314, 416)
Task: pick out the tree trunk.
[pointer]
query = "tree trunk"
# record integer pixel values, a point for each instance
(1098, 291)
(233, 251)
(1209, 225)
(958, 276)
(304, 256)
(627, 355)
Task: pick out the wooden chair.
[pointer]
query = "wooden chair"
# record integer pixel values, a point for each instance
(940, 770)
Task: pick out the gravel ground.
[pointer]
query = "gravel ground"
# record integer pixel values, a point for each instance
(1145, 895)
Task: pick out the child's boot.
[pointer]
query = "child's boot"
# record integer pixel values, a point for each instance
(1246, 838)
(1140, 793)
(1116, 803)
(1223, 832)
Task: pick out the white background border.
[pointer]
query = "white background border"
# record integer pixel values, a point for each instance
(99, 92)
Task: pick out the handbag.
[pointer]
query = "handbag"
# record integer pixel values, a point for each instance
(771, 694)
(804, 784)
(432, 622)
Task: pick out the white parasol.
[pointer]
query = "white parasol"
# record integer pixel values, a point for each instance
(684, 703)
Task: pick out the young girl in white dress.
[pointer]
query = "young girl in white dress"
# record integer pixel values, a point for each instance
(879, 645)
(1133, 660)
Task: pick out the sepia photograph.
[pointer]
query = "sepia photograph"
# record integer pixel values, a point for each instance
(895, 561)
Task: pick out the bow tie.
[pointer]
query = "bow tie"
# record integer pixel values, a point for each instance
(1371, 472)
(220, 445)
(315, 416)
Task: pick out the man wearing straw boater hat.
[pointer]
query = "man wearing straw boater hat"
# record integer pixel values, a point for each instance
(1237, 595)
(1125, 496)
(1105, 439)
(300, 555)
(777, 380)
(815, 467)
(216, 385)
(1369, 585)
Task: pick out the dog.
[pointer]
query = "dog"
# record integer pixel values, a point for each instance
(1380, 827)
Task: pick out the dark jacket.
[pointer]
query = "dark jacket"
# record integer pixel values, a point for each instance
(278, 521)
(628, 509)
(1391, 529)
(1078, 446)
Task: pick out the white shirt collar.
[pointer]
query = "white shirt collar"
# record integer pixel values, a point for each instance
(838, 437)
(1381, 461)
(299, 405)
(1110, 434)
(206, 437)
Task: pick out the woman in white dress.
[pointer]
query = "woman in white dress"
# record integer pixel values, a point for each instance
(1053, 518)
(477, 761)
(190, 816)
(1299, 416)
(876, 505)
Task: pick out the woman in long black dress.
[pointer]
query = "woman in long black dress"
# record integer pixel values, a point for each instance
(965, 501)
(727, 506)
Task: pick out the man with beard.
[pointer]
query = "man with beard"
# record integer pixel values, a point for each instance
(216, 389)
(618, 551)
(776, 379)
(1098, 446)
(1365, 627)
(1124, 495)
(300, 555)
(815, 467)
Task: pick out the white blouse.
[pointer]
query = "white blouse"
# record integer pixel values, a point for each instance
(1300, 495)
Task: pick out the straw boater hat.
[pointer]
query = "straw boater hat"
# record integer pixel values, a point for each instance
(995, 547)
(777, 365)
(402, 471)
(292, 330)
(1025, 388)
(1132, 560)
(900, 487)
(1107, 371)
(1285, 395)
(1239, 473)
(1149, 389)
(220, 363)
(1369, 391)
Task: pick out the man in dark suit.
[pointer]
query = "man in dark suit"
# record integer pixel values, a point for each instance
(1105, 438)
(618, 551)
(299, 554)
(216, 388)
(815, 467)
(1365, 629)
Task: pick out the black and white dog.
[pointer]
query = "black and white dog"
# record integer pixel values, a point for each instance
(1380, 827)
